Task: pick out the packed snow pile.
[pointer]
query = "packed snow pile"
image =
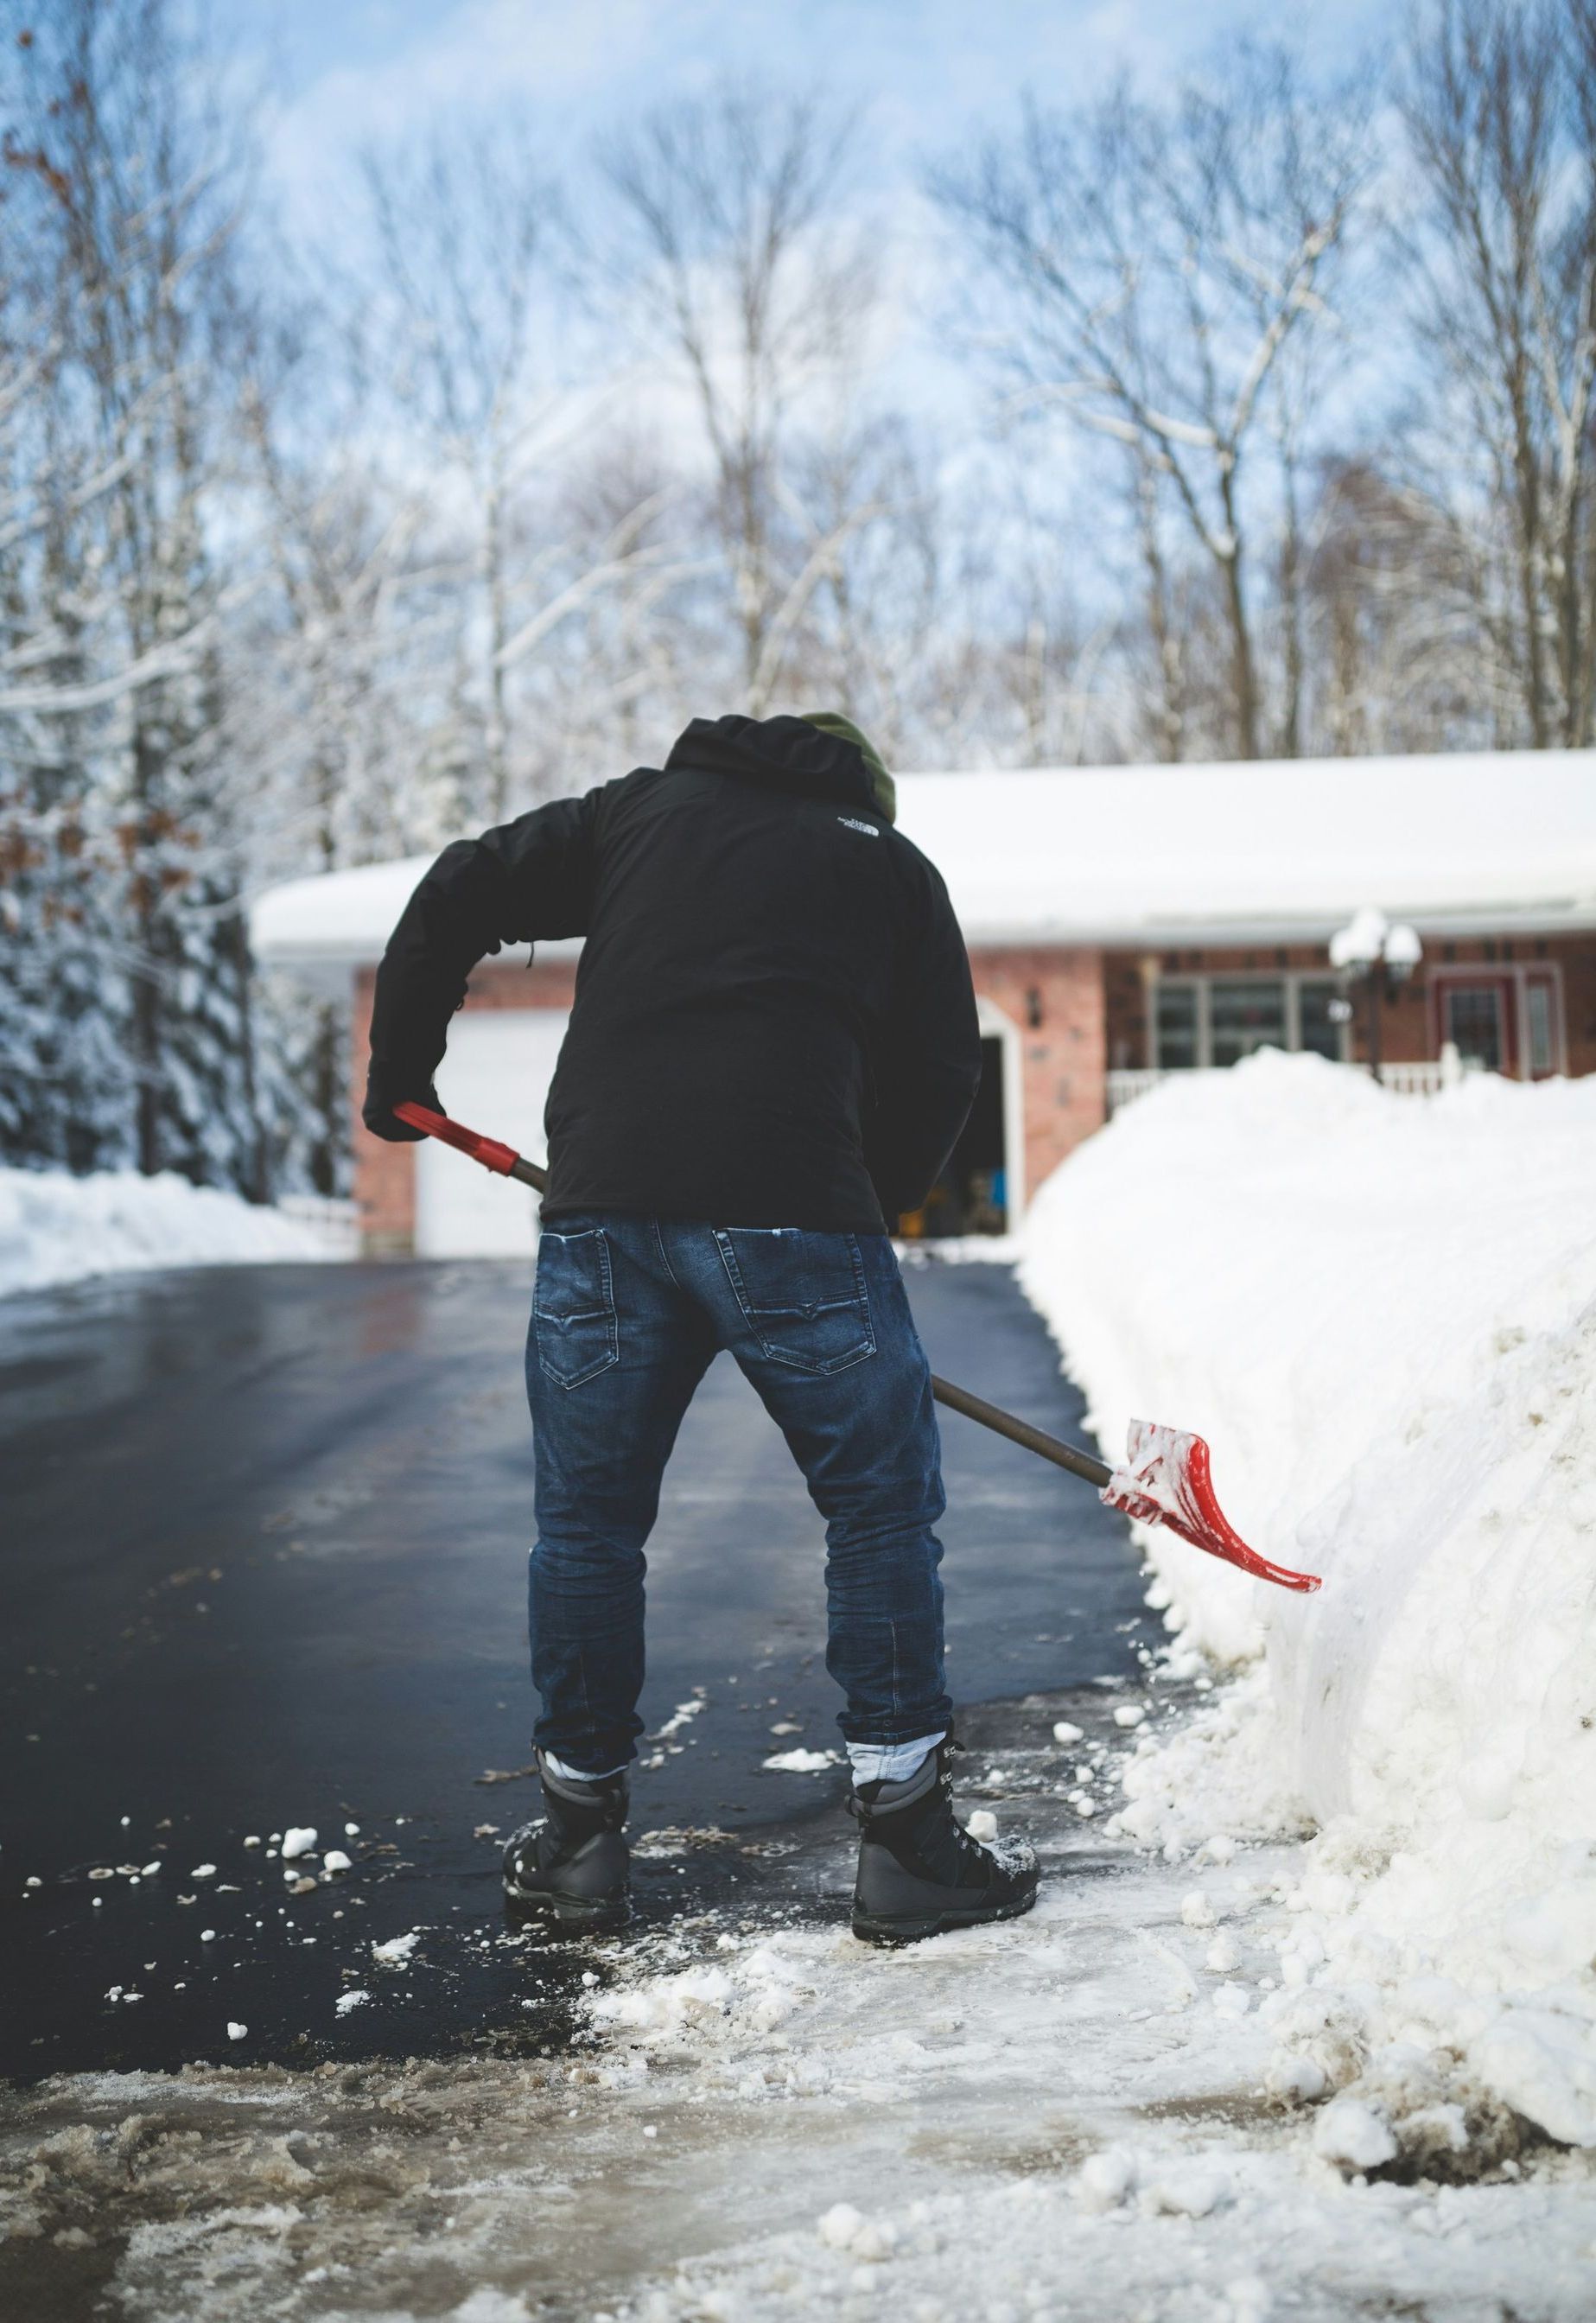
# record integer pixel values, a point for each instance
(1382, 1312)
(58, 1228)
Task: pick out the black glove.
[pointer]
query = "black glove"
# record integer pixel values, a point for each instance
(377, 1114)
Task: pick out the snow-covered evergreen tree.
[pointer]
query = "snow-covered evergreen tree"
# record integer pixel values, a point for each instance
(132, 833)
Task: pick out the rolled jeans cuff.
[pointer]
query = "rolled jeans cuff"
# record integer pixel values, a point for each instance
(890, 1762)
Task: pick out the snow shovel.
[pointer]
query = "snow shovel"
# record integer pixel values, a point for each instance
(1165, 1479)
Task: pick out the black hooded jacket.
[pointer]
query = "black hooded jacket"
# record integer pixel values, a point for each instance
(774, 1022)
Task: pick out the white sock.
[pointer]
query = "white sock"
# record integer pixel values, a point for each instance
(890, 1762)
(577, 1774)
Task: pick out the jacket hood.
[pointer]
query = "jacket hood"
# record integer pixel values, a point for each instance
(785, 754)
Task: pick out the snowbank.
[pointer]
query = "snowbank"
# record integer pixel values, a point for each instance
(1382, 1313)
(56, 1228)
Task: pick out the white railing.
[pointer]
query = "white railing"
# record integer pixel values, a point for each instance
(338, 1224)
(1125, 1087)
(1427, 1077)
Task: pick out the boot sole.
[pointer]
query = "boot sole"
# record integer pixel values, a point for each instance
(872, 1928)
(584, 1918)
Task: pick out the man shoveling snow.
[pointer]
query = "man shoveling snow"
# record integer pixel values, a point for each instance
(772, 1049)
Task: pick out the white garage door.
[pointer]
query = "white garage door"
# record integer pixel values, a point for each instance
(495, 1078)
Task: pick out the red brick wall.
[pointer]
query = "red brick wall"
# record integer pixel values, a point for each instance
(1578, 957)
(385, 1174)
(1065, 1051)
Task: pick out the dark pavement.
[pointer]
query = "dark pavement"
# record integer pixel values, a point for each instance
(263, 1554)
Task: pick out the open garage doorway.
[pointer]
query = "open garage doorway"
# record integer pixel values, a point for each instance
(496, 1077)
(980, 1191)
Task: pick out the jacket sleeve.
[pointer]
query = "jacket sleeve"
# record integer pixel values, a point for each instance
(524, 879)
(927, 1075)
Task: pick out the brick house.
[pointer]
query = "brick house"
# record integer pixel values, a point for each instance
(1123, 922)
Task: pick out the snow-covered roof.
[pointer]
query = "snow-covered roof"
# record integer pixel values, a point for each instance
(1260, 852)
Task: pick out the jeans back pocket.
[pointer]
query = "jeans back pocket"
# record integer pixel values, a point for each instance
(802, 1294)
(574, 1318)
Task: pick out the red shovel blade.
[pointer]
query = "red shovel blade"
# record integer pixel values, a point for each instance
(1165, 1480)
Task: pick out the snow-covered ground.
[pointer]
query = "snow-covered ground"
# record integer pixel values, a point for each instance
(1382, 1314)
(56, 1228)
(1079, 2118)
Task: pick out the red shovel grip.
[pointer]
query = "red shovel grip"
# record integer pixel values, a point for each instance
(488, 1150)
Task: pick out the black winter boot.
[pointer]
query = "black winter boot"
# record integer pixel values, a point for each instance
(919, 1871)
(574, 1864)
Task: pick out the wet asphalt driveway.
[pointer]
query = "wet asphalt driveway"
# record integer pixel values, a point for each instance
(264, 1533)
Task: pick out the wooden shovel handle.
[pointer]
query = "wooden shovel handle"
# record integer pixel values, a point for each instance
(1020, 1431)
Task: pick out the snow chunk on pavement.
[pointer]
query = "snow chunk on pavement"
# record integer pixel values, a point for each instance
(755, 1992)
(683, 1715)
(802, 1762)
(1105, 2180)
(840, 2225)
(397, 1950)
(1297, 2079)
(348, 2000)
(298, 1841)
(844, 2228)
(1185, 2189)
(1354, 2134)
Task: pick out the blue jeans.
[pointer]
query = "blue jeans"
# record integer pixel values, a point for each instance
(626, 1315)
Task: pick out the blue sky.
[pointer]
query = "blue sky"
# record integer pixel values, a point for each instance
(344, 70)
(343, 73)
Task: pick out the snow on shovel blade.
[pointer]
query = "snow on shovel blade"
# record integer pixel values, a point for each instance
(1166, 1481)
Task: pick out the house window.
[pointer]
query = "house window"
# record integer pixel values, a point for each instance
(1541, 1038)
(1315, 1028)
(1473, 1019)
(1245, 1013)
(1177, 1026)
(1218, 1020)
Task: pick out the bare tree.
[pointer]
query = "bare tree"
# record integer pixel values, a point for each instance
(1392, 631)
(1499, 103)
(470, 296)
(1160, 261)
(736, 258)
(453, 327)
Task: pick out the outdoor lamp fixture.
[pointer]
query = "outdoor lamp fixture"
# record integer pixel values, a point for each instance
(1381, 957)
